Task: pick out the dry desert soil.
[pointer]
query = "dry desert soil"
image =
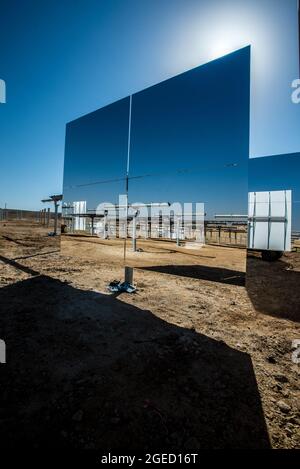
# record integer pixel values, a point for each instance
(192, 360)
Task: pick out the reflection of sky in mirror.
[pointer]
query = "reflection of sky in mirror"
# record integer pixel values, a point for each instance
(189, 138)
(197, 122)
(96, 148)
(281, 172)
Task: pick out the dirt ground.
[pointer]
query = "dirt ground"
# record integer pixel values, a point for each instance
(192, 360)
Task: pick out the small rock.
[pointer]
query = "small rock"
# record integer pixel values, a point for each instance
(175, 436)
(78, 416)
(293, 420)
(281, 378)
(284, 407)
(289, 430)
(115, 420)
(191, 444)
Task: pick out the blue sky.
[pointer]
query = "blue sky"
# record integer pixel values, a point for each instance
(62, 59)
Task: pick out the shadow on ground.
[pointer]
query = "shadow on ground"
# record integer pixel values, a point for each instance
(86, 370)
(213, 274)
(26, 238)
(12, 240)
(274, 287)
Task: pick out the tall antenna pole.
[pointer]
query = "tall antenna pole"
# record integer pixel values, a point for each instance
(127, 172)
(129, 141)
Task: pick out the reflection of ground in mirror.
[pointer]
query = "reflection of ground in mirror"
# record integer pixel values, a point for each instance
(274, 287)
(151, 253)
